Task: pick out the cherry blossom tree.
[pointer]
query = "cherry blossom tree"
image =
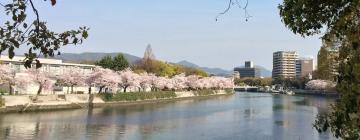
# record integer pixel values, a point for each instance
(160, 83)
(320, 85)
(169, 83)
(145, 81)
(179, 82)
(102, 78)
(192, 82)
(72, 76)
(153, 80)
(7, 75)
(128, 79)
(42, 78)
(22, 82)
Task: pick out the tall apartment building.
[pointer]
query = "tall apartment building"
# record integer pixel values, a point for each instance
(248, 71)
(304, 67)
(284, 64)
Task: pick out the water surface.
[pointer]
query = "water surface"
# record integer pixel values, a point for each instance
(241, 116)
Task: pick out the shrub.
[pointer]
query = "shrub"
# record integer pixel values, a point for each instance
(2, 91)
(138, 96)
(229, 91)
(204, 92)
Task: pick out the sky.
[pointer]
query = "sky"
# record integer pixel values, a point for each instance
(180, 30)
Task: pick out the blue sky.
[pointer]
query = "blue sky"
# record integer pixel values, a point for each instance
(180, 30)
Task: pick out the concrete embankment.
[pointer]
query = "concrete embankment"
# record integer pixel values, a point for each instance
(316, 93)
(27, 103)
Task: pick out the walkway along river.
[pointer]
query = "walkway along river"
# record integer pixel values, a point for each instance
(240, 116)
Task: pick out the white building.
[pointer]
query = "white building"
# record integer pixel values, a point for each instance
(284, 64)
(54, 66)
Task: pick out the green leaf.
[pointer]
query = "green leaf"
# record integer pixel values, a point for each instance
(85, 34)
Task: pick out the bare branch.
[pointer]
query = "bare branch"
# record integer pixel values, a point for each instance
(236, 3)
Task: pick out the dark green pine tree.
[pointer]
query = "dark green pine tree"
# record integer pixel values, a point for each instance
(105, 62)
(120, 63)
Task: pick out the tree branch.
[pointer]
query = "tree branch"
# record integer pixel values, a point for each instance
(37, 17)
(237, 3)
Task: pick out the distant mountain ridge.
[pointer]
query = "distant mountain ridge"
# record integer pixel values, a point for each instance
(95, 56)
(215, 71)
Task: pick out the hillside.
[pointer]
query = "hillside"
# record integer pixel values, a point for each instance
(90, 56)
(215, 71)
(94, 56)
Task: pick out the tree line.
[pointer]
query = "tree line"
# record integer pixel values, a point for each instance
(107, 80)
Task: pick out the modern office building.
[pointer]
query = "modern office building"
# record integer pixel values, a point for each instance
(284, 64)
(249, 64)
(249, 70)
(304, 67)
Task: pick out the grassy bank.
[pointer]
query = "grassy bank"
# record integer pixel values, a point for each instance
(135, 96)
(140, 96)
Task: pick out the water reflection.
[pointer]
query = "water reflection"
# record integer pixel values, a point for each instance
(242, 116)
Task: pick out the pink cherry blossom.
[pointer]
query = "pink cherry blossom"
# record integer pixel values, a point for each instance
(128, 79)
(320, 85)
(103, 78)
(72, 76)
(42, 78)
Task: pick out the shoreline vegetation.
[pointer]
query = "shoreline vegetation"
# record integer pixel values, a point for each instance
(13, 104)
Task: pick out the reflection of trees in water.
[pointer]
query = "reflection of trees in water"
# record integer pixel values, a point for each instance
(298, 112)
(139, 121)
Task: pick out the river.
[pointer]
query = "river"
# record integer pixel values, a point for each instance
(243, 116)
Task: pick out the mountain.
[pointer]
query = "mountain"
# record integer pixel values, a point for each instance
(263, 71)
(215, 71)
(187, 64)
(90, 56)
(218, 71)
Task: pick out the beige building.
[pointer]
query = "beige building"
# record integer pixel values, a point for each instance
(284, 64)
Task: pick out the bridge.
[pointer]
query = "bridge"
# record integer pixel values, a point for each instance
(246, 88)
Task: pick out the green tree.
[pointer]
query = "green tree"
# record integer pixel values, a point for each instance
(105, 62)
(327, 61)
(19, 31)
(118, 63)
(340, 18)
(254, 81)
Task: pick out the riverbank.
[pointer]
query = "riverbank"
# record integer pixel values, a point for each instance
(316, 93)
(26, 103)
